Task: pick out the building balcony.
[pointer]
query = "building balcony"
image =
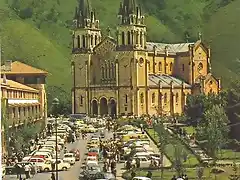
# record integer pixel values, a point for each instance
(23, 101)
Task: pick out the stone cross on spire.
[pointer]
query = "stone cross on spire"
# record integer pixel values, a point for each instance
(200, 36)
(108, 31)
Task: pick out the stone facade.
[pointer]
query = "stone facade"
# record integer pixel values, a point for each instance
(129, 75)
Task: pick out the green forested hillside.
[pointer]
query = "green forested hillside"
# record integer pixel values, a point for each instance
(38, 31)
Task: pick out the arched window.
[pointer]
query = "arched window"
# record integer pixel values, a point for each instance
(83, 41)
(177, 97)
(81, 100)
(92, 40)
(171, 66)
(160, 66)
(183, 67)
(96, 38)
(141, 98)
(149, 66)
(113, 70)
(109, 70)
(126, 98)
(137, 37)
(78, 41)
(153, 98)
(106, 71)
(165, 98)
(123, 38)
(129, 37)
(103, 73)
(141, 42)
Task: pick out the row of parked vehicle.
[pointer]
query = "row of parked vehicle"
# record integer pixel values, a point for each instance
(43, 158)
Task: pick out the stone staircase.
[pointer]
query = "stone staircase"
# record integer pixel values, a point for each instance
(198, 151)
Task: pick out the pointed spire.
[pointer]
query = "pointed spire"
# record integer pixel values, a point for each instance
(120, 9)
(85, 8)
(76, 13)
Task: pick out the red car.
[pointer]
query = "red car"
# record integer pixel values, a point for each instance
(77, 154)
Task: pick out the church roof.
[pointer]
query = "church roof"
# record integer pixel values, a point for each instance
(153, 80)
(172, 48)
(21, 68)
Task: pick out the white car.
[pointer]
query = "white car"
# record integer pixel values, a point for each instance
(92, 163)
(62, 166)
(70, 158)
(141, 178)
(91, 158)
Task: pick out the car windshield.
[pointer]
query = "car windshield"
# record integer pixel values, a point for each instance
(93, 150)
(68, 156)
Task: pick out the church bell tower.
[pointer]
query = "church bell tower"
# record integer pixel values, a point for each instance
(87, 33)
(131, 30)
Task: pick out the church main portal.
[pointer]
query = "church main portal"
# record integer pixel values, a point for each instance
(104, 107)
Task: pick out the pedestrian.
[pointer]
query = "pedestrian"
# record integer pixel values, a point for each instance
(53, 176)
(18, 170)
(149, 174)
(27, 171)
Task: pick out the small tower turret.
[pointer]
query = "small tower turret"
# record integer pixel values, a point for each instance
(131, 31)
(87, 33)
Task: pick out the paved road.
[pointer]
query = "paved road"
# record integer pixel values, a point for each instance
(74, 171)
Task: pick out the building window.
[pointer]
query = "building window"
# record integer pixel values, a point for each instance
(137, 38)
(106, 71)
(81, 100)
(113, 70)
(149, 66)
(96, 38)
(126, 98)
(92, 40)
(165, 98)
(160, 66)
(103, 73)
(129, 37)
(123, 38)
(126, 108)
(183, 68)
(177, 98)
(171, 66)
(153, 98)
(83, 41)
(141, 98)
(141, 42)
(78, 41)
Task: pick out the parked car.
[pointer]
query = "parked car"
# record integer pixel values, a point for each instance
(77, 154)
(62, 166)
(70, 158)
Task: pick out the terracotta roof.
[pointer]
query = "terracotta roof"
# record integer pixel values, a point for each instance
(18, 86)
(21, 68)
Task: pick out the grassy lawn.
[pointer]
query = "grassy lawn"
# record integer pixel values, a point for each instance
(192, 173)
(190, 129)
(228, 154)
(170, 149)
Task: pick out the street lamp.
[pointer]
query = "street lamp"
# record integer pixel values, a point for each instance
(55, 103)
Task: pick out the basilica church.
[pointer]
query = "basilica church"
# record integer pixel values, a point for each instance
(126, 74)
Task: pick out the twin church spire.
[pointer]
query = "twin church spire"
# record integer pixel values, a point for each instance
(131, 31)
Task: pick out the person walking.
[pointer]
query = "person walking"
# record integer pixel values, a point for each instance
(53, 176)
(27, 171)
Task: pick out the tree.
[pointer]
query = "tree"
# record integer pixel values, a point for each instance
(214, 129)
(233, 110)
(196, 105)
(178, 163)
(163, 141)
